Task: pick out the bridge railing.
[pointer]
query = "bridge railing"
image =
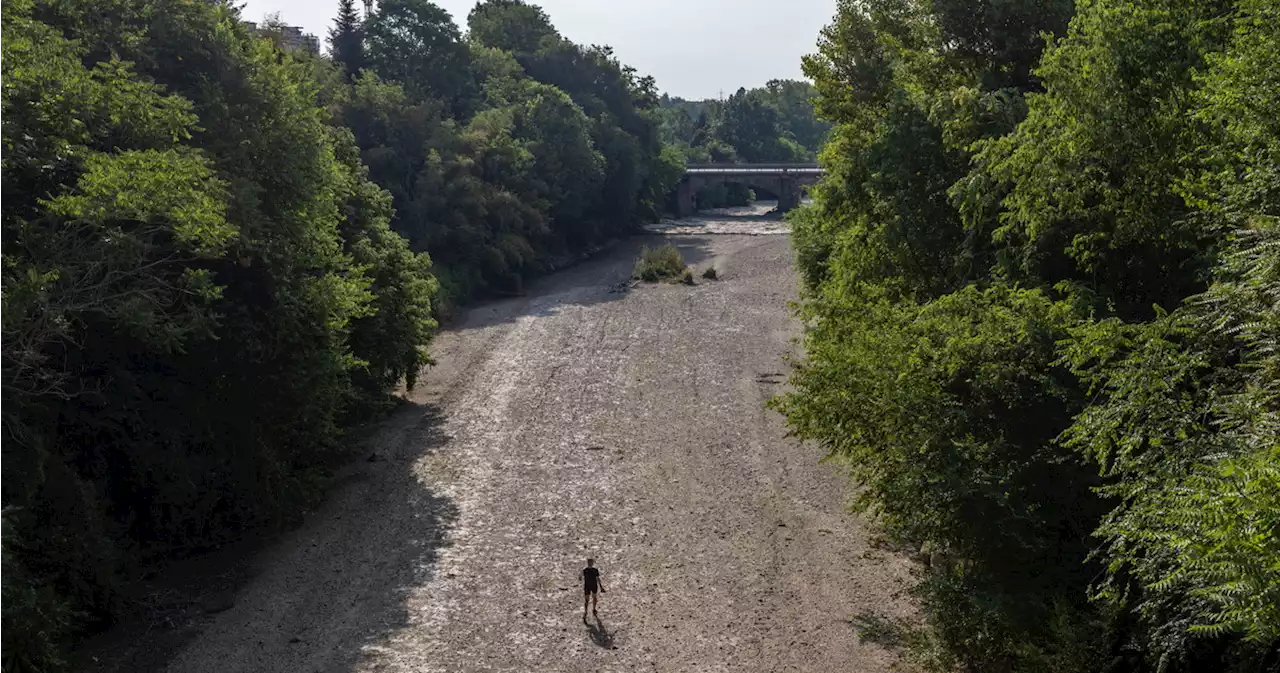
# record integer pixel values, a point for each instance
(753, 168)
(771, 166)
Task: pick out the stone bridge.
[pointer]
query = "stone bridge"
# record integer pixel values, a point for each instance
(783, 180)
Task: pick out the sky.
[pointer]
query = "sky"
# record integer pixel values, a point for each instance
(694, 48)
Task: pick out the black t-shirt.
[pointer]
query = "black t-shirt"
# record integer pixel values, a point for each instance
(591, 577)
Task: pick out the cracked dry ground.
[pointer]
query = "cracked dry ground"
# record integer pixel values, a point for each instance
(579, 421)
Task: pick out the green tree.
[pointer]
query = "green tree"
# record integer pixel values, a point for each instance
(1090, 181)
(751, 127)
(511, 25)
(793, 99)
(346, 39)
(620, 104)
(416, 43)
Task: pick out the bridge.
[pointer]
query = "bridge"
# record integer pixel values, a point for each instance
(783, 180)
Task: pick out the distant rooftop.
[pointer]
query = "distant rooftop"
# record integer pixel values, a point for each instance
(291, 37)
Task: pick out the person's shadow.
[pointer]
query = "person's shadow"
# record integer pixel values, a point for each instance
(599, 634)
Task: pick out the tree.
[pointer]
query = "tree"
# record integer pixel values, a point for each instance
(416, 43)
(793, 99)
(619, 103)
(750, 127)
(1102, 211)
(1000, 38)
(511, 25)
(346, 39)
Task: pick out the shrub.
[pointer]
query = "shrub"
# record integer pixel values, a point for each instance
(710, 273)
(36, 619)
(659, 264)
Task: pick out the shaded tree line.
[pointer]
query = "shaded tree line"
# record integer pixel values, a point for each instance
(505, 150)
(1042, 280)
(215, 257)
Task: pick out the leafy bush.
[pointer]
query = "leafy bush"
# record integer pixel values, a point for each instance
(37, 619)
(658, 264)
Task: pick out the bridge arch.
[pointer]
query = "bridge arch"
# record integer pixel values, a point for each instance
(784, 180)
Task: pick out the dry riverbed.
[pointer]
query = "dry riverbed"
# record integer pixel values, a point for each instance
(581, 420)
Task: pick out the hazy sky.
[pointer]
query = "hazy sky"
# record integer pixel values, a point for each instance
(694, 48)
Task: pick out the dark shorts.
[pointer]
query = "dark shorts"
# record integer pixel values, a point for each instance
(587, 591)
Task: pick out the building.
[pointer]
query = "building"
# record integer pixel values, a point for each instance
(292, 37)
(288, 37)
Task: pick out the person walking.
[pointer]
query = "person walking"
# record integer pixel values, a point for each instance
(592, 587)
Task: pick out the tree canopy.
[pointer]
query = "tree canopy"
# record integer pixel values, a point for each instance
(1041, 279)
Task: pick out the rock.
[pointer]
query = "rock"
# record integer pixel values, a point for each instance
(219, 602)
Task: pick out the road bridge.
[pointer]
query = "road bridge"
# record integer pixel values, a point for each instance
(783, 180)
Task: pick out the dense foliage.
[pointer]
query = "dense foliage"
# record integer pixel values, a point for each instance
(1043, 285)
(503, 153)
(200, 289)
(215, 256)
(775, 123)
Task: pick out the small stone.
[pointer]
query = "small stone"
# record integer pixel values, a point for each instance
(220, 602)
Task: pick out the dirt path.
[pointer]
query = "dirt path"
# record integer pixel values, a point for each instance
(579, 421)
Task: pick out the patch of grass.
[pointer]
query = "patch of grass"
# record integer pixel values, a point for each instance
(884, 631)
(917, 644)
(660, 264)
(710, 273)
